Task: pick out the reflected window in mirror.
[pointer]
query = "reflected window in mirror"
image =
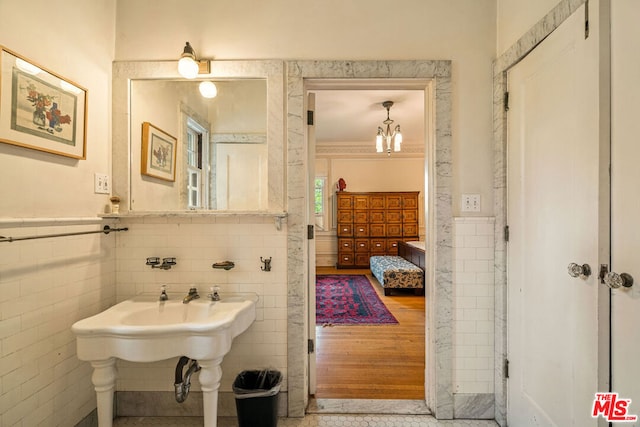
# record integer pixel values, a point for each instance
(197, 170)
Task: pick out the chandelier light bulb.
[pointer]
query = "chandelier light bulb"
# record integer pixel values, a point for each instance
(379, 141)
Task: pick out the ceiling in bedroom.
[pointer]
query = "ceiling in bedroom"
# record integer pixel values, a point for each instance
(353, 116)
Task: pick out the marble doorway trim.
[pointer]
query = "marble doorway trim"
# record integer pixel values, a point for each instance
(439, 394)
(502, 64)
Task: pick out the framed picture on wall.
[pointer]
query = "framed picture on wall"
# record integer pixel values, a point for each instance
(158, 153)
(40, 109)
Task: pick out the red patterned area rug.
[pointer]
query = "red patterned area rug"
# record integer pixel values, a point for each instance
(343, 299)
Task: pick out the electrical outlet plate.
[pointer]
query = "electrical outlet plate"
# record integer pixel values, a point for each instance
(101, 183)
(470, 203)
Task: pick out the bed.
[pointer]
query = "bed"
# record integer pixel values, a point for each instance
(405, 271)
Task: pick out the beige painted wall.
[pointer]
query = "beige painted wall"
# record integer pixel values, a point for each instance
(460, 30)
(75, 40)
(515, 17)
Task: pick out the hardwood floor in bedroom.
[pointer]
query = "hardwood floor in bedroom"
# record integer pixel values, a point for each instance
(373, 362)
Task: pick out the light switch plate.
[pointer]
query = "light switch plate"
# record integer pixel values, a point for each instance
(470, 203)
(101, 183)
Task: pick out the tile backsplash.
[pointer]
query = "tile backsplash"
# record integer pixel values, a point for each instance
(473, 279)
(45, 286)
(197, 242)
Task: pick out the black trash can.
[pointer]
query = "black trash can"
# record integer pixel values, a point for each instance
(256, 395)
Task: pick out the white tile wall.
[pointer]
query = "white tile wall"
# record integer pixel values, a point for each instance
(197, 243)
(45, 286)
(473, 304)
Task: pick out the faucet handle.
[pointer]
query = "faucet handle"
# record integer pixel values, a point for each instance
(214, 295)
(163, 293)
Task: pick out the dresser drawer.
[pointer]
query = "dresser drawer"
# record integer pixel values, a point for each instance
(392, 246)
(394, 230)
(362, 259)
(345, 216)
(361, 230)
(376, 201)
(361, 217)
(362, 245)
(361, 202)
(377, 217)
(410, 201)
(345, 230)
(410, 230)
(345, 245)
(393, 201)
(394, 217)
(345, 201)
(377, 230)
(346, 259)
(409, 215)
(378, 246)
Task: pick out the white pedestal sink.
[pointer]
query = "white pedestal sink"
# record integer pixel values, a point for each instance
(144, 329)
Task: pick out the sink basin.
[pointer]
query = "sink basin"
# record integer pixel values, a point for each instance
(143, 329)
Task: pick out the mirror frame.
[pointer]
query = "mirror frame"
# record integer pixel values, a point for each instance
(126, 71)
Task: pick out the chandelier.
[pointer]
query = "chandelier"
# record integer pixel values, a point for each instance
(384, 137)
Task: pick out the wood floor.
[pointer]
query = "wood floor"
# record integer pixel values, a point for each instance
(373, 362)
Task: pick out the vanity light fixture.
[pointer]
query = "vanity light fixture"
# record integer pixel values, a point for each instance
(188, 66)
(387, 135)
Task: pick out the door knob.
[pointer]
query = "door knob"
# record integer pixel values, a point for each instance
(615, 280)
(577, 270)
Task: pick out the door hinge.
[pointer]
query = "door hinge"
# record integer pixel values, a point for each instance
(586, 19)
(506, 101)
(310, 117)
(310, 232)
(506, 368)
(310, 346)
(506, 233)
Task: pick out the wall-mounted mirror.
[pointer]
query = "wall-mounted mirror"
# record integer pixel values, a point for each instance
(228, 149)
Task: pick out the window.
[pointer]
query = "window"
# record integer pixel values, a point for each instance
(320, 201)
(319, 195)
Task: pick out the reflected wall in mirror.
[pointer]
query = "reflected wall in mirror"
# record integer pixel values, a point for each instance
(230, 153)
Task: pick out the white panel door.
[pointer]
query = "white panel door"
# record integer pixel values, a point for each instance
(553, 215)
(625, 209)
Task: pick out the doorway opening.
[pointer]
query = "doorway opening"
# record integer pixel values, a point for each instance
(367, 362)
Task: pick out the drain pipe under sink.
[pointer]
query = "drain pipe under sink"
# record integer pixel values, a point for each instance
(181, 385)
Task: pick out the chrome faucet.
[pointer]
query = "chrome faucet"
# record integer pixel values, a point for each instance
(193, 294)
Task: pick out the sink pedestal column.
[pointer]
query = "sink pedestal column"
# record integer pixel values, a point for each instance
(104, 381)
(210, 376)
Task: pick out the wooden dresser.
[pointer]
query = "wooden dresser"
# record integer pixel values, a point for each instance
(373, 223)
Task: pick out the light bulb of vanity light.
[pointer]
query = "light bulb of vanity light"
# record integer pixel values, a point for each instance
(208, 89)
(187, 65)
